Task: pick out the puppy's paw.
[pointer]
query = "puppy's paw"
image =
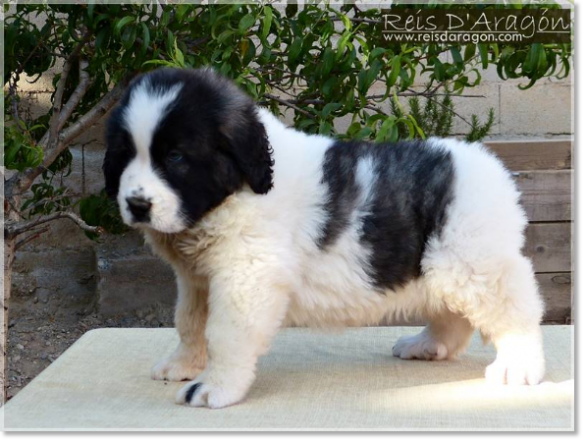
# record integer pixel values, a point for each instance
(421, 346)
(201, 394)
(520, 360)
(516, 370)
(176, 369)
(212, 391)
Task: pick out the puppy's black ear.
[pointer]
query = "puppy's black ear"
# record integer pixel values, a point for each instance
(247, 143)
(112, 179)
(119, 151)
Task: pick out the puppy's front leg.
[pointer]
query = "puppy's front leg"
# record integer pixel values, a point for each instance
(189, 359)
(246, 311)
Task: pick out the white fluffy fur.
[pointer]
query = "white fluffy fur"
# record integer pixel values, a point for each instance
(254, 263)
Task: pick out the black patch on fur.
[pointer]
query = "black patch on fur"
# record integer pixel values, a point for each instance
(339, 170)
(191, 392)
(212, 126)
(120, 150)
(412, 188)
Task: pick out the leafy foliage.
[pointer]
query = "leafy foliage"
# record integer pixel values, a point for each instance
(99, 210)
(318, 62)
(478, 130)
(436, 118)
(20, 150)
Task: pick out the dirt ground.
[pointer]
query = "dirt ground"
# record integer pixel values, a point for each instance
(40, 330)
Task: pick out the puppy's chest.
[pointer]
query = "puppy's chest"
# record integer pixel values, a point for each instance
(187, 250)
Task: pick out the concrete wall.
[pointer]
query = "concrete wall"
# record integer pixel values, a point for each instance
(119, 275)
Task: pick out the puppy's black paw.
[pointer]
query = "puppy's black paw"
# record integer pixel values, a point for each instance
(211, 391)
(191, 392)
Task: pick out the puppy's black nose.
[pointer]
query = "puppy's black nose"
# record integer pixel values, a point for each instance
(139, 207)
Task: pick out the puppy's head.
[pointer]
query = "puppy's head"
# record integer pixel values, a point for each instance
(178, 144)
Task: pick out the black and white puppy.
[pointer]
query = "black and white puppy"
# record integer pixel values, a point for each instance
(266, 226)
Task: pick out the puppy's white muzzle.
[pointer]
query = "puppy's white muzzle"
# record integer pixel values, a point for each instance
(146, 199)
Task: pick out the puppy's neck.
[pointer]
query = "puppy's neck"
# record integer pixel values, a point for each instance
(189, 247)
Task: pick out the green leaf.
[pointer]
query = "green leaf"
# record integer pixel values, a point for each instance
(328, 61)
(529, 85)
(129, 37)
(439, 70)
(394, 70)
(305, 123)
(532, 59)
(222, 38)
(329, 86)
(158, 63)
(121, 23)
(372, 73)
(393, 134)
(387, 129)
(90, 8)
(364, 133)
(373, 119)
(294, 50)
(346, 21)
(100, 18)
(409, 126)
(376, 53)
(566, 69)
(483, 52)
(145, 37)
(469, 52)
(165, 18)
(330, 107)
(542, 65)
(12, 150)
(178, 56)
(362, 81)
(456, 56)
(325, 128)
(102, 38)
(246, 23)
(266, 22)
(291, 9)
(496, 48)
(353, 129)
(170, 42)
(342, 44)
(180, 11)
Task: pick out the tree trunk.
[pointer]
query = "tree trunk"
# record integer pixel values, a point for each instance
(10, 215)
(9, 250)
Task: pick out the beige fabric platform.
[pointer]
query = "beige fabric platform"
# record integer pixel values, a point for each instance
(310, 380)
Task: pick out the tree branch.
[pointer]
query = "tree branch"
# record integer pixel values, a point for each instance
(31, 237)
(289, 104)
(275, 86)
(85, 83)
(358, 20)
(60, 90)
(99, 110)
(21, 181)
(12, 87)
(13, 230)
(410, 93)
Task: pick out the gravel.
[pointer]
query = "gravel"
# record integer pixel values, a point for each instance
(40, 332)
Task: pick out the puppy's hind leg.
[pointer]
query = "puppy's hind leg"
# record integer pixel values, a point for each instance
(189, 359)
(446, 336)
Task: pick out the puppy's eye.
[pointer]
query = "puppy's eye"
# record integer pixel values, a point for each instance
(174, 156)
